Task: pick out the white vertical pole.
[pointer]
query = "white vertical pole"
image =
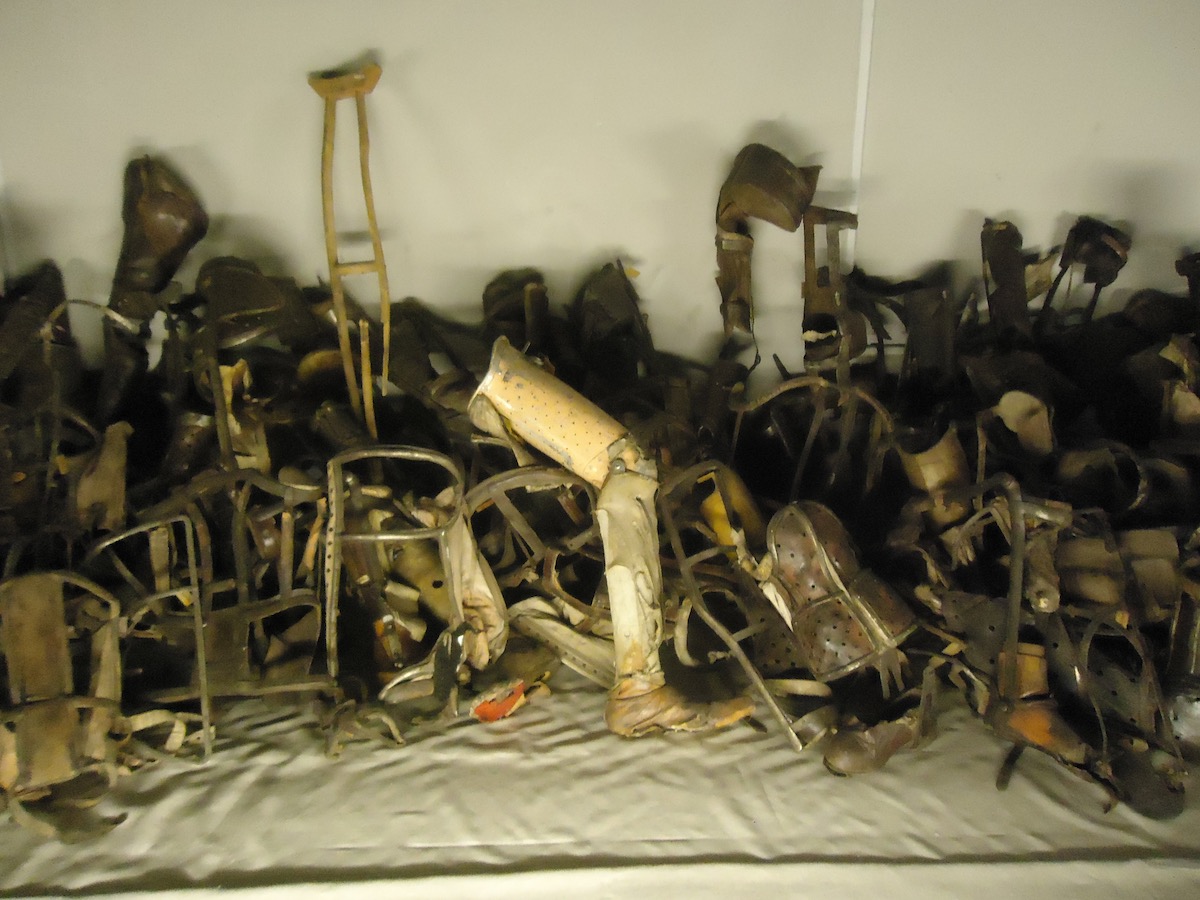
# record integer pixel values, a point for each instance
(865, 38)
(3, 231)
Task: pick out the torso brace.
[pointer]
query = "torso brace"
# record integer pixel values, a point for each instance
(843, 617)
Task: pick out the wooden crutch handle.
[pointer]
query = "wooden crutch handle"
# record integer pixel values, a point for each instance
(340, 84)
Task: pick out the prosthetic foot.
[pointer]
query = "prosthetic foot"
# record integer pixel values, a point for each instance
(641, 706)
(856, 749)
(861, 749)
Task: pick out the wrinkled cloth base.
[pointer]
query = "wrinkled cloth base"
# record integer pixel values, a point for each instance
(547, 801)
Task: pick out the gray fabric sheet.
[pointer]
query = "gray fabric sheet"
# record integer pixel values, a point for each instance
(547, 803)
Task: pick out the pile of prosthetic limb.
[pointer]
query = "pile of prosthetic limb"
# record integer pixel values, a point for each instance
(411, 518)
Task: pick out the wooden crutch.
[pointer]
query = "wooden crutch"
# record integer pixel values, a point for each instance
(332, 87)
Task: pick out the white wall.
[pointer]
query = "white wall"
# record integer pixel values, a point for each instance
(561, 134)
(1036, 112)
(538, 132)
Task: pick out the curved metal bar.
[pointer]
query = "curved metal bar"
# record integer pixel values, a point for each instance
(1007, 683)
(701, 609)
(193, 587)
(335, 534)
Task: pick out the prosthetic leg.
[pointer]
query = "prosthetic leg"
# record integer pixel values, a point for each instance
(519, 398)
(762, 184)
(163, 220)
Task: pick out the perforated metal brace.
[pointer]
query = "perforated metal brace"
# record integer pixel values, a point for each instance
(844, 618)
